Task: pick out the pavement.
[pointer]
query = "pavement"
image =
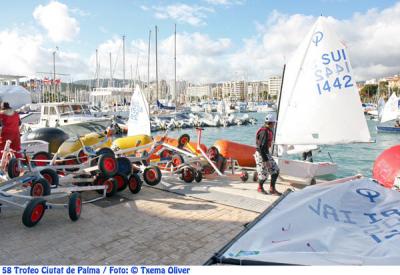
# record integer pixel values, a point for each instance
(174, 223)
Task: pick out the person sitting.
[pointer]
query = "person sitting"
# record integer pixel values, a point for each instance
(397, 124)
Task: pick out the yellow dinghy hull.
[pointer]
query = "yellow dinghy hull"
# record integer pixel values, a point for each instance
(131, 142)
(72, 147)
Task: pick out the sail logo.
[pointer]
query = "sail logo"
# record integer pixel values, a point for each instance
(333, 73)
(317, 37)
(368, 193)
(134, 111)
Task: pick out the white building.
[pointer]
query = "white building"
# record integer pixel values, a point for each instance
(201, 92)
(274, 85)
(234, 90)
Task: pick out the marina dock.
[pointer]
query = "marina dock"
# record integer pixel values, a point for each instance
(174, 223)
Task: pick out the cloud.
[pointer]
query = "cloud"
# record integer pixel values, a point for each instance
(197, 58)
(55, 18)
(193, 15)
(25, 54)
(226, 2)
(372, 39)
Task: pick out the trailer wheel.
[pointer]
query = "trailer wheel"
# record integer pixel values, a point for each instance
(33, 212)
(40, 188)
(108, 165)
(165, 154)
(213, 153)
(82, 157)
(135, 184)
(40, 159)
(122, 181)
(183, 140)
(244, 176)
(198, 176)
(152, 175)
(75, 206)
(71, 160)
(110, 183)
(177, 160)
(124, 166)
(188, 174)
(105, 151)
(50, 176)
(255, 176)
(13, 169)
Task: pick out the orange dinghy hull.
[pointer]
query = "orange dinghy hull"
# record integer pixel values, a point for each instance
(174, 142)
(243, 153)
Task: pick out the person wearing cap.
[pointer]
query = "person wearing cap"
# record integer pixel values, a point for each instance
(10, 123)
(265, 164)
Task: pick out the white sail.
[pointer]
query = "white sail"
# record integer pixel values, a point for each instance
(327, 224)
(320, 103)
(391, 109)
(139, 115)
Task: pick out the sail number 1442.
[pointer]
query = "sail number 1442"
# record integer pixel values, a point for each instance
(334, 64)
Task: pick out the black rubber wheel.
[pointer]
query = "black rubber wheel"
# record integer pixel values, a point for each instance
(135, 184)
(122, 181)
(255, 176)
(104, 151)
(111, 184)
(50, 176)
(213, 153)
(13, 169)
(40, 159)
(313, 181)
(198, 176)
(108, 165)
(188, 174)
(34, 212)
(165, 154)
(75, 206)
(40, 188)
(244, 176)
(82, 157)
(124, 166)
(152, 175)
(71, 160)
(183, 140)
(177, 160)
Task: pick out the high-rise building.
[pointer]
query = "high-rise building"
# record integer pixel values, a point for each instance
(200, 92)
(274, 85)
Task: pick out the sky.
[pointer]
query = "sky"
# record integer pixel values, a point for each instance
(217, 40)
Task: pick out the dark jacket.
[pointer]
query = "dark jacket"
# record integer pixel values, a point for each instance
(264, 138)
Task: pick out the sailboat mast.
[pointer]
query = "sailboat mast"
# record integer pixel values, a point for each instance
(175, 69)
(149, 97)
(277, 112)
(111, 77)
(97, 69)
(156, 66)
(123, 59)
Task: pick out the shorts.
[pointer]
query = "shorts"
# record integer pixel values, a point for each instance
(265, 168)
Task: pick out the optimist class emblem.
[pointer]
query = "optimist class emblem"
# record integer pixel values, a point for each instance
(368, 193)
(317, 37)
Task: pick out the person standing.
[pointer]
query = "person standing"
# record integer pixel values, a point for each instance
(265, 164)
(10, 123)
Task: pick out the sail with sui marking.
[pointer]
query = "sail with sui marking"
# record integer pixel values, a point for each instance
(320, 103)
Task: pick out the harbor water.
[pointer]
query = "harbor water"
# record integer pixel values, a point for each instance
(351, 158)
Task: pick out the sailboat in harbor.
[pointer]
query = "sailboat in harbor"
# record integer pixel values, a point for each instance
(319, 103)
(390, 112)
